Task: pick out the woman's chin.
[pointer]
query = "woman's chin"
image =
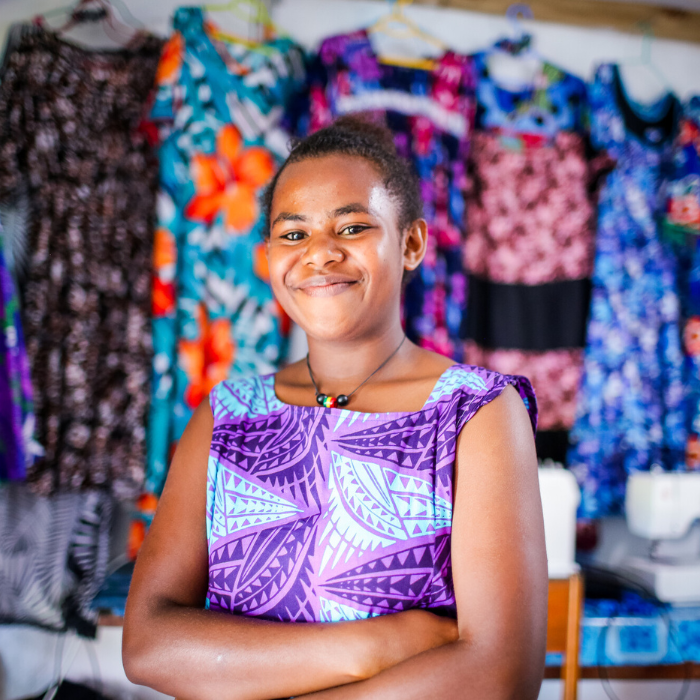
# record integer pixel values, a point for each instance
(331, 331)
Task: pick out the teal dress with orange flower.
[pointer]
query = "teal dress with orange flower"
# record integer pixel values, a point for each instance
(218, 111)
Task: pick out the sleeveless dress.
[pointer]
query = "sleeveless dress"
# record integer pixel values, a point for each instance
(326, 514)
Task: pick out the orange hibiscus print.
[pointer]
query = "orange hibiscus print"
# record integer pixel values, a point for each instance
(260, 264)
(228, 181)
(170, 60)
(206, 360)
(164, 260)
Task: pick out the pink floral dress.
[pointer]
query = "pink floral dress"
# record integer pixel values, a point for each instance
(530, 241)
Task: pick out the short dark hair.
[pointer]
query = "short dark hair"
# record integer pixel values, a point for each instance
(354, 135)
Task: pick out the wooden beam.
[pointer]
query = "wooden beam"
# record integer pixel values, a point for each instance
(631, 17)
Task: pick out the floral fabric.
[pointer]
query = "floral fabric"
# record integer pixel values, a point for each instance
(17, 447)
(682, 223)
(531, 223)
(683, 187)
(531, 217)
(70, 142)
(218, 108)
(431, 115)
(557, 373)
(631, 412)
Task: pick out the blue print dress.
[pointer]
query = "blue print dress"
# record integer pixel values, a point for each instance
(632, 405)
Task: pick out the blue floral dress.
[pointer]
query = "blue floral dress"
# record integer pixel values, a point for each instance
(218, 110)
(632, 405)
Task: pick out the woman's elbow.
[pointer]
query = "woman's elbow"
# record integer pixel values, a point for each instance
(503, 671)
(140, 644)
(521, 677)
(135, 656)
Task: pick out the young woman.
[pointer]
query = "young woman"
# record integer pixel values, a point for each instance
(376, 492)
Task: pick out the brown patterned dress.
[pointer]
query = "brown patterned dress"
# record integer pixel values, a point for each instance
(71, 143)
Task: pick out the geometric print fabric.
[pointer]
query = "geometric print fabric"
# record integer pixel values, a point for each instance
(323, 515)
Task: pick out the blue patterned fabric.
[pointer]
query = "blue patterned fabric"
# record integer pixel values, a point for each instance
(631, 413)
(555, 102)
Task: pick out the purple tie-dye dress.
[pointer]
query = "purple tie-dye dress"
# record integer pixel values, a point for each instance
(327, 514)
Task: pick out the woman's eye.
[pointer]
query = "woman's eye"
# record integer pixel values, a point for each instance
(294, 235)
(354, 229)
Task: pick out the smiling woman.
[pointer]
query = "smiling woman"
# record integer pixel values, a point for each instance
(376, 491)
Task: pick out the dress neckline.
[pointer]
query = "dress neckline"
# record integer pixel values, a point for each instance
(141, 41)
(654, 124)
(268, 381)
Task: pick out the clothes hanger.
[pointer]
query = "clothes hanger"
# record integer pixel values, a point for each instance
(521, 40)
(515, 56)
(397, 25)
(85, 12)
(644, 60)
(255, 14)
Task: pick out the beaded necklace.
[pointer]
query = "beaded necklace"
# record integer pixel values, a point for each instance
(344, 399)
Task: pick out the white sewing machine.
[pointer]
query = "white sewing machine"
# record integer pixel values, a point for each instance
(662, 507)
(560, 498)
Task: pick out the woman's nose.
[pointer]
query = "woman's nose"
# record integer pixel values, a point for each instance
(322, 249)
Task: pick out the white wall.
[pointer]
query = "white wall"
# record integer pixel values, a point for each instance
(27, 656)
(576, 49)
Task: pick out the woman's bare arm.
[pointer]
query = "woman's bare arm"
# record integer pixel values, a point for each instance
(173, 645)
(500, 574)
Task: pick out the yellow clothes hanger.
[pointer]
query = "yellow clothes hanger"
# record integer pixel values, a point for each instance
(398, 26)
(251, 11)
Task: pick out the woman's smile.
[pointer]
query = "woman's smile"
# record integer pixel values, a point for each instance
(326, 285)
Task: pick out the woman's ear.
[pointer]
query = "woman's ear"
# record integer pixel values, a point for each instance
(415, 244)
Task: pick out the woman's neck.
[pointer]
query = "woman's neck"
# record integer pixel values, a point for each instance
(339, 366)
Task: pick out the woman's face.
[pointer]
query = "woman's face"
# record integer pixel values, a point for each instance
(336, 254)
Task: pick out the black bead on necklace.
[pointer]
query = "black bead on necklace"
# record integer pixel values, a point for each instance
(343, 399)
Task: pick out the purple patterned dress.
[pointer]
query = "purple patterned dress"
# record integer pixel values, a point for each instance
(325, 514)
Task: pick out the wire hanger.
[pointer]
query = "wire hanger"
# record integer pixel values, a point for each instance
(86, 12)
(253, 12)
(644, 60)
(397, 25)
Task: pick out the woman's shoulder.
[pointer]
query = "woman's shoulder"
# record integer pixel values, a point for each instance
(244, 397)
(468, 387)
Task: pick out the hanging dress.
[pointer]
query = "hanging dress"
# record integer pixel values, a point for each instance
(430, 114)
(70, 142)
(530, 239)
(682, 224)
(218, 109)
(325, 514)
(17, 447)
(631, 412)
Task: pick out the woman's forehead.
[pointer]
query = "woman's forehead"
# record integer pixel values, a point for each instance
(313, 179)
